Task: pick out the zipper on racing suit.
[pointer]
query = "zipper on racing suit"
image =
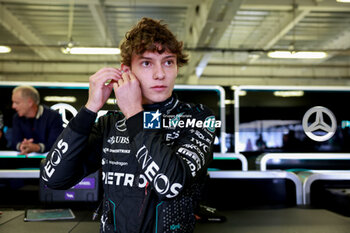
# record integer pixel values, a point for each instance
(111, 215)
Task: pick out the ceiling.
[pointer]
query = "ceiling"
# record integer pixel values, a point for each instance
(227, 40)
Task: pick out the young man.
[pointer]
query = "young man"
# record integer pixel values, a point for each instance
(35, 127)
(151, 177)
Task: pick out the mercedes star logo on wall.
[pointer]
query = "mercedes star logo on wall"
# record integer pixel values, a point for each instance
(63, 109)
(319, 130)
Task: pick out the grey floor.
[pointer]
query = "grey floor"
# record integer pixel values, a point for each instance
(290, 220)
(12, 222)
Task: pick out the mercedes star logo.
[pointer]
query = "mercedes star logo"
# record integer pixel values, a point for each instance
(62, 109)
(319, 130)
(121, 125)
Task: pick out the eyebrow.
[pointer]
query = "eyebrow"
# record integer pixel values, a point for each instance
(149, 58)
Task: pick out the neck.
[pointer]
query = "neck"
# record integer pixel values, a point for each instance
(32, 113)
(166, 103)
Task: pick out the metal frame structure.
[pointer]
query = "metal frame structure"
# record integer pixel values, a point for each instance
(263, 159)
(240, 157)
(228, 40)
(27, 174)
(321, 175)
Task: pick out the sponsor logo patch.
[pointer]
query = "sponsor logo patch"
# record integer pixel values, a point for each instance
(69, 195)
(151, 120)
(121, 125)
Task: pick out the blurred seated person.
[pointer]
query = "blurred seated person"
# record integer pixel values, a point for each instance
(3, 141)
(35, 127)
(260, 143)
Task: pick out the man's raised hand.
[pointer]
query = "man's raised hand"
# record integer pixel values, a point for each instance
(128, 94)
(101, 86)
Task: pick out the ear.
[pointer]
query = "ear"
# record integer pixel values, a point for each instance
(125, 68)
(30, 102)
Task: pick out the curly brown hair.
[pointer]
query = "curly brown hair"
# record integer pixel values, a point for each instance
(151, 35)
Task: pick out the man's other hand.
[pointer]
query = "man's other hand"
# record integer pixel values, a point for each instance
(27, 146)
(101, 86)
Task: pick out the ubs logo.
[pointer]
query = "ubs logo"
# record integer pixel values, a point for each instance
(118, 140)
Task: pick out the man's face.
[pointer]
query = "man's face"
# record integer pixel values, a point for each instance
(20, 104)
(156, 74)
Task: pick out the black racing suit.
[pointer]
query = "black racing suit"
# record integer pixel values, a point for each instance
(151, 177)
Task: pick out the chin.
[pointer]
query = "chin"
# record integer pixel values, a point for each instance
(156, 99)
(161, 98)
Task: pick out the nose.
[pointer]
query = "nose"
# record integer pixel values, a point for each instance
(159, 72)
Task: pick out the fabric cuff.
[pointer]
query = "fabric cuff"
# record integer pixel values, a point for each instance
(42, 148)
(18, 146)
(83, 121)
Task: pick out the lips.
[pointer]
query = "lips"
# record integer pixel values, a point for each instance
(159, 88)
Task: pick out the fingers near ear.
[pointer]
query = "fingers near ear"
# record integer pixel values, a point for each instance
(132, 76)
(115, 85)
(125, 76)
(122, 80)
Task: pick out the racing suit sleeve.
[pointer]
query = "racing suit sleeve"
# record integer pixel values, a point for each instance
(75, 153)
(168, 168)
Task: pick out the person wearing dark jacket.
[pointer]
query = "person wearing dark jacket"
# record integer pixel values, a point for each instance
(35, 127)
(154, 152)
